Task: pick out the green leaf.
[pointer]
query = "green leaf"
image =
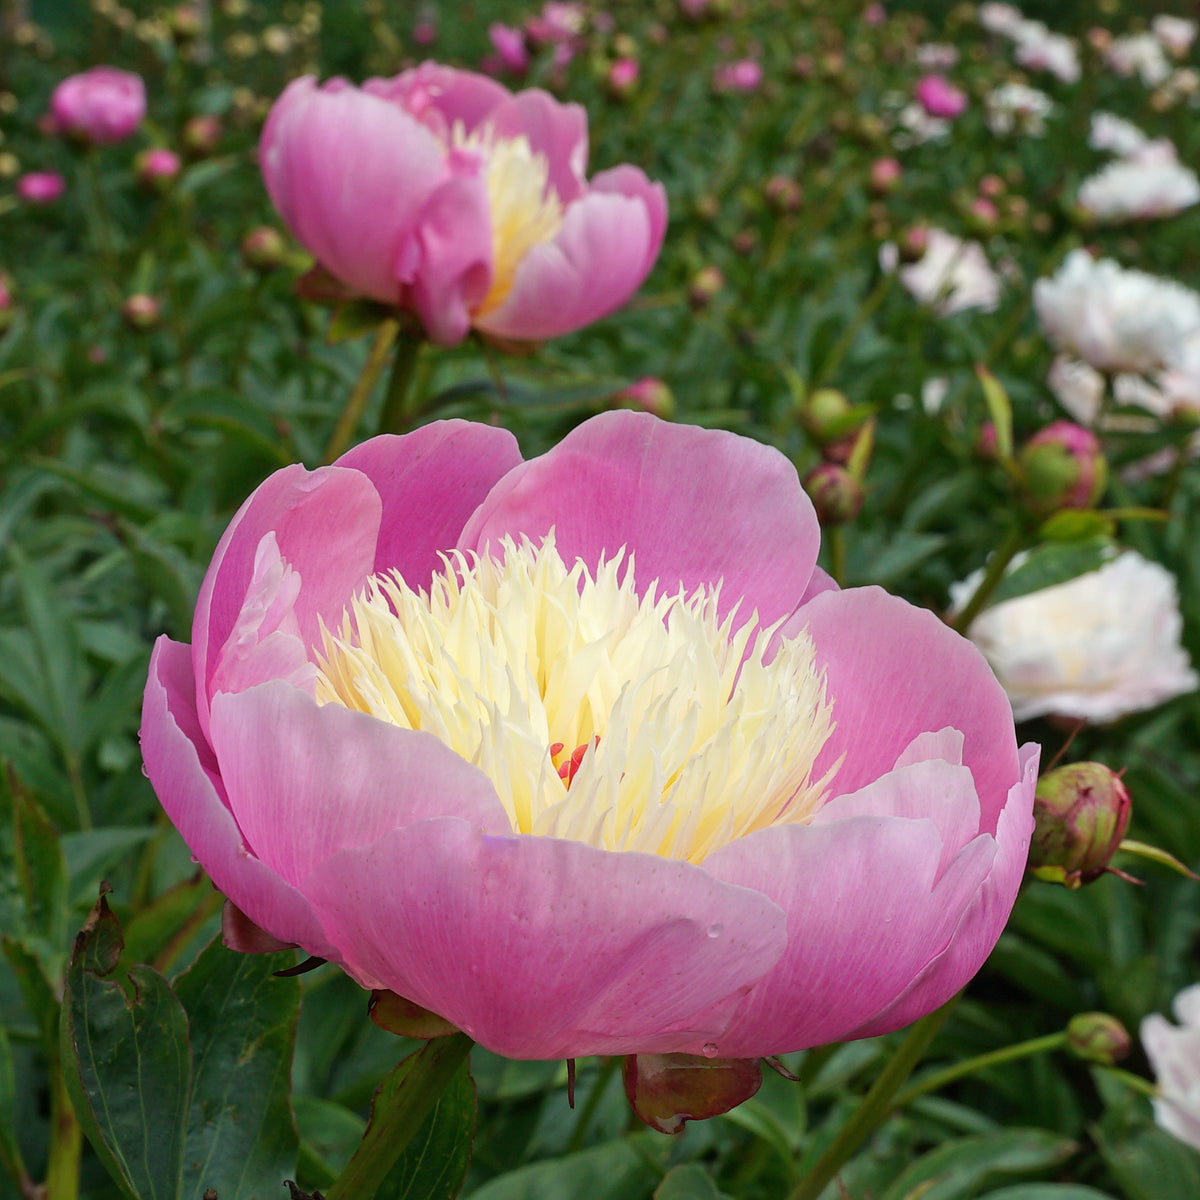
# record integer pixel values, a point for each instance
(37, 989)
(1077, 525)
(10, 1152)
(1050, 564)
(93, 853)
(1047, 1191)
(688, 1181)
(167, 572)
(240, 1138)
(434, 1164)
(999, 409)
(1152, 1165)
(618, 1170)
(126, 1062)
(40, 868)
(958, 1169)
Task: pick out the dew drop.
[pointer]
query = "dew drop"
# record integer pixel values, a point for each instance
(195, 861)
(715, 930)
(709, 1049)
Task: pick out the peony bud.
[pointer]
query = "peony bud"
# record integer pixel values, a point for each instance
(1097, 1037)
(7, 306)
(705, 286)
(201, 134)
(1063, 467)
(783, 194)
(40, 187)
(1080, 813)
(824, 412)
(648, 395)
(141, 311)
(622, 78)
(913, 243)
(157, 168)
(264, 249)
(836, 494)
(885, 175)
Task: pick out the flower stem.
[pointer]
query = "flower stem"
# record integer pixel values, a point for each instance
(399, 410)
(347, 422)
(837, 555)
(66, 1142)
(401, 1103)
(996, 567)
(604, 1074)
(939, 1079)
(875, 1105)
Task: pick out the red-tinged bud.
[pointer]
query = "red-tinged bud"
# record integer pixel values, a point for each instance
(186, 22)
(783, 194)
(141, 311)
(744, 242)
(987, 445)
(885, 175)
(992, 186)
(622, 78)
(264, 248)
(803, 66)
(404, 1018)
(982, 215)
(913, 243)
(707, 206)
(647, 395)
(1063, 467)
(201, 135)
(1097, 1037)
(157, 168)
(836, 494)
(668, 1090)
(705, 287)
(1080, 815)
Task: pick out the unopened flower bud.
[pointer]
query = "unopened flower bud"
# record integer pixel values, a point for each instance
(264, 249)
(824, 413)
(186, 22)
(141, 311)
(885, 175)
(1080, 815)
(156, 168)
(745, 241)
(705, 286)
(1063, 467)
(41, 187)
(649, 395)
(836, 494)
(1097, 1037)
(622, 78)
(201, 134)
(7, 306)
(783, 194)
(913, 243)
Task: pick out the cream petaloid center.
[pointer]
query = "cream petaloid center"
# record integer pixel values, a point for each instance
(627, 721)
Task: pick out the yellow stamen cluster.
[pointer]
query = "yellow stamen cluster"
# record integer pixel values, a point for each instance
(690, 739)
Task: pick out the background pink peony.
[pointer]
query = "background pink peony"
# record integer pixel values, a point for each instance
(102, 105)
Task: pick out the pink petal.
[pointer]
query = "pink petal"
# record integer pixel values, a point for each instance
(430, 481)
(305, 781)
(349, 173)
(440, 96)
(558, 132)
(894, 671)
(694, 506)
(598, 259)
(866, 912)
(983, 918)
(184, 774)
(325, 524)
(545, 948)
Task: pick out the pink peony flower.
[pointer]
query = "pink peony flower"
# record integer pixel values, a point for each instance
(583, 753)
(939, 97)
(102, 105)
(40, 187)
(509, 44)
(470, 205)
(744, 75)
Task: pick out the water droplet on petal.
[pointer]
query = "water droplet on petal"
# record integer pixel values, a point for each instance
(715, 930)
(709, 1049)
(195, 861)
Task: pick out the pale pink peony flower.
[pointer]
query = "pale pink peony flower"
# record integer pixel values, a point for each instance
(40, 187)
(1176, 33)
(102, 105)
(1097, 647)
(1141, 55)
(554, 826)
(951, 275)
(1000, 18)
(939, 97)
(469, 204)
(1150, 184)
(1174, 1054)
(1041, 50)
(1116, 135)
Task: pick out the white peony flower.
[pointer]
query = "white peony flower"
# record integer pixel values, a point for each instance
(1114, 319)
(952, 275)
(1017, 106)
(1149, 185)
(1139, 54)
(1041, 50)
(1098, 647)
(1115, 135)
(1000, 18)
(1174, 1054)
(1176, 33)
(1077, 387)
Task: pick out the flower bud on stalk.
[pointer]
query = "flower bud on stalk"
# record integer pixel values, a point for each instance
(1097, 1037)
(1064, 468)
(783, 194)
(622, 78)
(836, 494)
(705, 285)
(885, 176)
(201, 134)
(264, 249)
(141, 311)
(156, 169)
(1080, 814)
(647, 395)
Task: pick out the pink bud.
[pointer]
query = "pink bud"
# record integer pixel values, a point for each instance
(141, 311)
(622, 78)
(201, 134)
(1063, 467)
(509, 44)
(156, 168)
(744, 75)
(1080, 814)
(885, 175)
(939, 97)
(836, 494)
(649, 395)
(40, 187)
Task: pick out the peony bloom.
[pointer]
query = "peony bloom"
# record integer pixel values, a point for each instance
(1114, 319)
(1077, 387)
(1174, 1054)
(470, 206)
(1139, 54)
(1116, 135)
(512, 53)
(1097, 647)
(101, 106)
(744, 75)
(40, 187)
(1041, 50)
(939, 97)
(583, 753)
(1019, 107)
(1000, 18)
(951, 275)
(1152, 183)
(1175, 33)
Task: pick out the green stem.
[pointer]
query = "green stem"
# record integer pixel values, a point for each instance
(996, 567)
(347, 422)
(1130, 1080)
(875, 1105)
(102, 230)
(603, 1076)
(66, 1142)
(402, 1102)
(837, 555)
(939, 1079)
(865, 311)
(399, 409)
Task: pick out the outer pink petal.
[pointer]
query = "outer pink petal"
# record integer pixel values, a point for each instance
(600, 256)
(984, 917)
(349, 173)
(866, 911)
(430, 481)
(325, 524)
(545, 948)
(181, 768)
(558, 132)
(694, 506)
(894, 671)
(306, 780)
(440, 96)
